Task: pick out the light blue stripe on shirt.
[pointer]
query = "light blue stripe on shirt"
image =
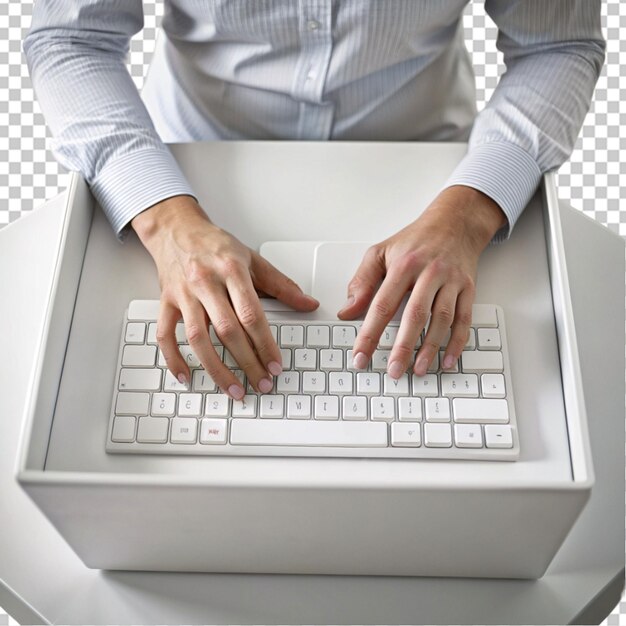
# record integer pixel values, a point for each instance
(310, 69)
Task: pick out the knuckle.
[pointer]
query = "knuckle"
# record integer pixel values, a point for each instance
(444, 314)
(248, 315)
(195, 333)
(229, 266)
(408, 262)
(401, 352)
(197, 272)
(417, 314)
(439, 266)
(224, 328)
(382, 308)
(367, 341)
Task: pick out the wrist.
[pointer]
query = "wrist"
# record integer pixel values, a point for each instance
(480, 215)
(166, 214)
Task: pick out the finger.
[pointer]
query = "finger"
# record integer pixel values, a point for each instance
(364, 283)
(252, 317)
(166, 338)
(196, 329)
(441, 319)
(460, 328)
(383, 308)
(228, 328)
(280, 286)
(414, 318)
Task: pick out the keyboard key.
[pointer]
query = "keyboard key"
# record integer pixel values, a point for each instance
(489, 339)
(409, 409)
(152, 333)
(152, 429)
(138, 356)
(437, 409)
(140, 380)
(292, 336)
(172, 384)
(340, 382)
(480, 411)
(274, 331)
(331, 359)
(388, 337)
(380, 358)
(298, 407)
(468, 436)
(143, 310)
(202, 381)
(123, 429)
(326, 407)
(217, 405)
(437, 436)
(498, 436)
(181, 336)
(459, 385)
(288, 382)
(484, 315)
(318, 336)
(308, 433)
(368, 383)
(493, 385)
(214, 431)
(354, 408)
(272, 405)
(383, 408)
(304, 359)
(434, 366)
(189, 356)
(470, 344)
(184, 430)
(479, 361)
(246, 407)
(405, 435)
(189, 404)
(424, 385)
(396, 386)
(163, 404)
(135, 332)
(313, 382)
(132, 403)
(343, 336)
(229, 360)
(285, 355)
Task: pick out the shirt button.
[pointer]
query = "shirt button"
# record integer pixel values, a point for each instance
(313, 24)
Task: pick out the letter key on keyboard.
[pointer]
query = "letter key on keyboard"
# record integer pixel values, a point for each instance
(319, 405)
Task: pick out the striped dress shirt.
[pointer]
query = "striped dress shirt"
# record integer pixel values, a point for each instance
(394, 70)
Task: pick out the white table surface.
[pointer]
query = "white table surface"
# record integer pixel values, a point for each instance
(41, 578)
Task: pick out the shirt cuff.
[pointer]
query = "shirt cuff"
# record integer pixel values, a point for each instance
(503, 171)
(128, 185)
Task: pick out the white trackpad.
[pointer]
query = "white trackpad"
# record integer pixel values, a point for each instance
(334, 265)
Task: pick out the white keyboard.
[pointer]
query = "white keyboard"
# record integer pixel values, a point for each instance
(319, 405)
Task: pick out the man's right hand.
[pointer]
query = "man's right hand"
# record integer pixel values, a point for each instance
(207, 275)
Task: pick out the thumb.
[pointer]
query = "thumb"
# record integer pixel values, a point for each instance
(274, 283)
(364, 283)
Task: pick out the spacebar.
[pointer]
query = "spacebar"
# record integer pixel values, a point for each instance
(254, 432)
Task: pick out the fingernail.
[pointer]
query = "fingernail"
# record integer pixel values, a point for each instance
(183, 380)
(274, 368)
(236, 391)
(448, 362)
(395, 369)
(421, 366)
(359, 361)
(265, 385)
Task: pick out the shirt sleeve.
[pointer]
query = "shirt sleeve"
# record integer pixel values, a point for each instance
(553, 52)
(76, 54)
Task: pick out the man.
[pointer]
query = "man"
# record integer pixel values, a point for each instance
(312, 69)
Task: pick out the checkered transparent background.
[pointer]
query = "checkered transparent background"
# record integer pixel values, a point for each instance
(593, 180)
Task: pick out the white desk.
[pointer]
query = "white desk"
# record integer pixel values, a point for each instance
(41, 579)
